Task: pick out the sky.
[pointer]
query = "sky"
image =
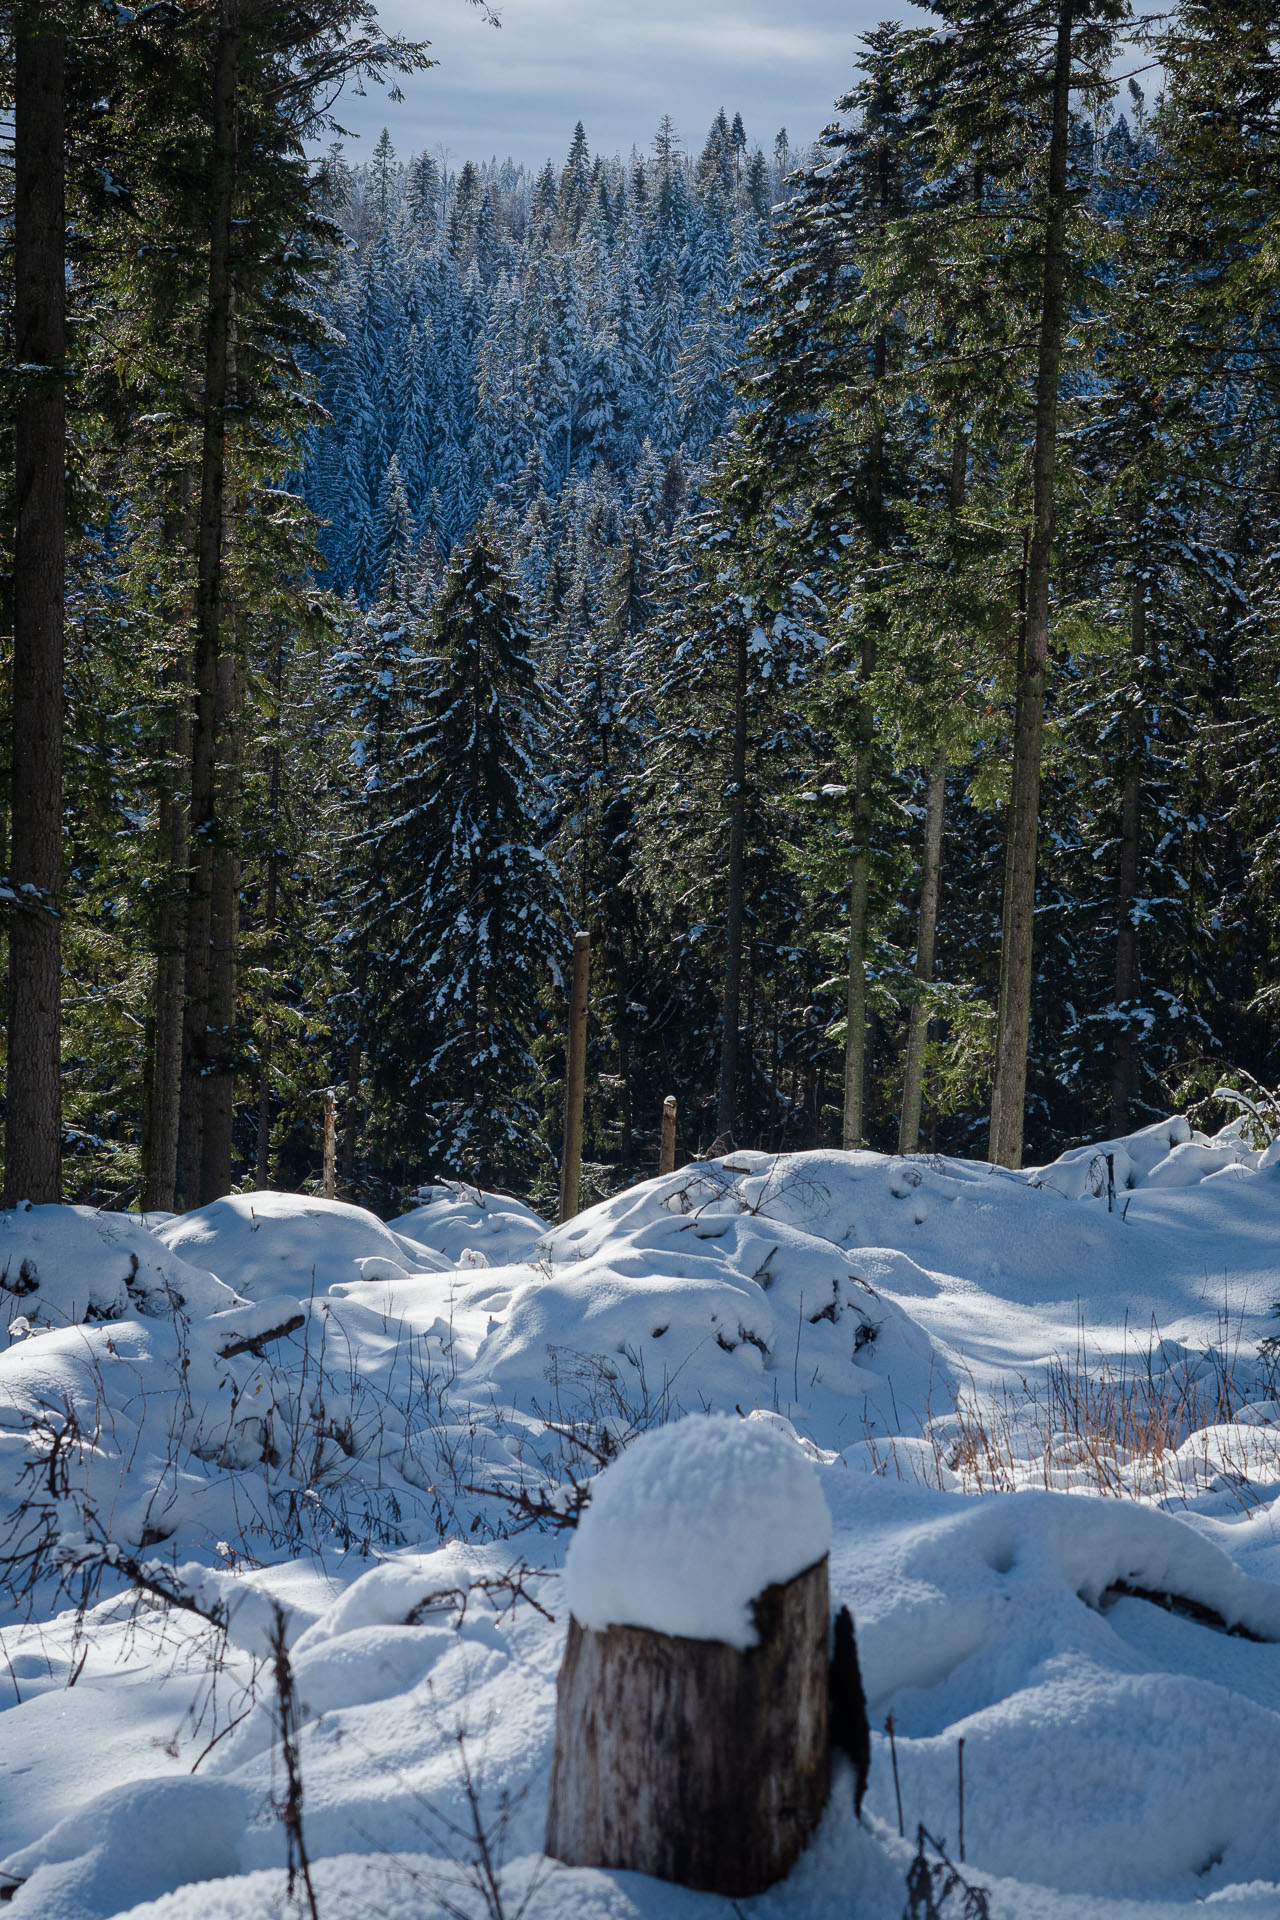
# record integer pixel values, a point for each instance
(616, 65)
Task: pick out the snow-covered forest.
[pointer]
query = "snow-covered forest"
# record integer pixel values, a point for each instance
(744, 450)
(642, 1079)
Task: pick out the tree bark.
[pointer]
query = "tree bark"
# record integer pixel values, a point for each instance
(351, 1105)
(270, 915)
(219, 1081)
(731, 1011)
(855, 1044)
(931, 873)
(33, 1122)
(330, 1160)
(1009, 1091)
(575, 1078)
(210, 537)
(1123, 1060)
(166, 1064)
(691, 1760)
(926, 944)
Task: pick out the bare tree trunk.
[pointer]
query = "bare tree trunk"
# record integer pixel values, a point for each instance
(351, 1103)
(931, 870)
(330, 1144)
(219, 1083)
(625, 1145)
(33, 1122)
(926, 943)
(209, 610)
(855, 1043)
(575, 1077)
(270, 915)
(166, 1064)
(731, 1009)
(1123, 1060)
(853, 1130)
(1009, 1092)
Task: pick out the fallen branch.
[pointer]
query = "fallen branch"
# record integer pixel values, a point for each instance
(256, 1342)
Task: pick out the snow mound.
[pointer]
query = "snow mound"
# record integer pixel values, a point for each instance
(60, 1266)
(128, 1845)
(1114, 1675)
(272, 1243)
(1166, 1154)
(691, 1525)
(455, 1219)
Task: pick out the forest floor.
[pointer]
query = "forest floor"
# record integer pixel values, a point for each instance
(1037, 1405)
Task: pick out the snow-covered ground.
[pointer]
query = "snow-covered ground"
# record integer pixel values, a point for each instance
(1046, 1438)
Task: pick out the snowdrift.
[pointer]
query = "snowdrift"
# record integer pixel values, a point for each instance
(294, 1419)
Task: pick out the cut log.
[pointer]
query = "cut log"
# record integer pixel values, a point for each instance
(691, 1760)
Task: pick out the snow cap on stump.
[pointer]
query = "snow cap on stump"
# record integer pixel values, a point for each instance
(691, 1524)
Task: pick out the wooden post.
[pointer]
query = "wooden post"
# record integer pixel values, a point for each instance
(667, 1151)
(695, 1761)
(330, 1143)
(575, 1075)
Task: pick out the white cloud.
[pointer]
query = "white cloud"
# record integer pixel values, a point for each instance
(617, 65)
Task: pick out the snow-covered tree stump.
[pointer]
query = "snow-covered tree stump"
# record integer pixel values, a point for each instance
(692, 1710)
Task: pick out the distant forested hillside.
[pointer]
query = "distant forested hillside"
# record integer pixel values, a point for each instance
(503, 331)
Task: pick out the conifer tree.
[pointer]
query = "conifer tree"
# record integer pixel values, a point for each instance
(815, 473)
(1002, 79)
(473, 925)
(33, 893)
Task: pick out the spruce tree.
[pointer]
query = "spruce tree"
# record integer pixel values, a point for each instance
(33, 894)
(1001, 80)
(473, 926)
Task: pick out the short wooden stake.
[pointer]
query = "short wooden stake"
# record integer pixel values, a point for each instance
(692, 1760)
(667, 1152)
(330, 1140)
(575, 1078)
(897, 1784)
(960, 1793)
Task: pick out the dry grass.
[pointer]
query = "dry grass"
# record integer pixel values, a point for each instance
(1161, 1424)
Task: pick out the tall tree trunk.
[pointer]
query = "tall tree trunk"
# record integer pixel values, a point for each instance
(270, 915)
(1009, 1092)
(926, 943)
(350, 1140)
(855, 1043)
(219, 1082)
(209, 612)
(731, 1011)
(33, 1123)
(164, 1082)
(1123, 1061)
(166, 1062)
(625, 1146)
(931, 871)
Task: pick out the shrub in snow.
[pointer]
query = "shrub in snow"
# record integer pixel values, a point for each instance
(691, 1524)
